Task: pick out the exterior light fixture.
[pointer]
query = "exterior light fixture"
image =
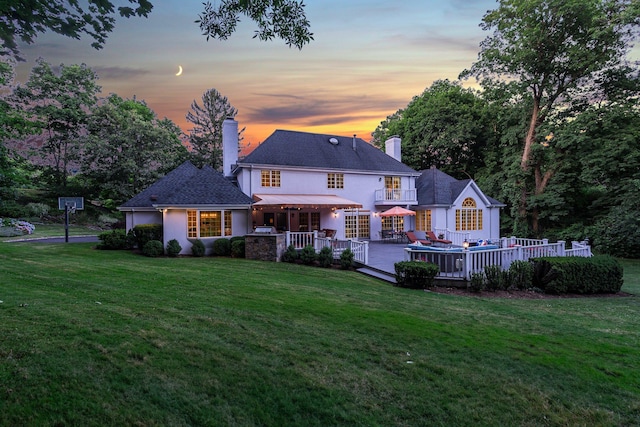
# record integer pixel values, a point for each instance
(465, 244)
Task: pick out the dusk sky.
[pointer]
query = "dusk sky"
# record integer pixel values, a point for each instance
(368, 59)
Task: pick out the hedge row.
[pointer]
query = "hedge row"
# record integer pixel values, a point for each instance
(577, 275)
(415, 274)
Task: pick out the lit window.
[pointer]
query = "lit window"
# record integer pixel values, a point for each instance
(468, 218)
(395, 223)
(192, 224)
(357, 226)
(335, 180)
(228, 229)
(269, 178)
(208, 224)
(392, 185)
(423, 220)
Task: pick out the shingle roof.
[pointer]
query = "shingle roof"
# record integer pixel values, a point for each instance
(187, 185)
(302, 149)
(437, 188)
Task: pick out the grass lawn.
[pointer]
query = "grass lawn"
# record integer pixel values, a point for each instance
(93, 337)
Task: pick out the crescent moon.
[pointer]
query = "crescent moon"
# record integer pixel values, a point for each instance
(179, 70)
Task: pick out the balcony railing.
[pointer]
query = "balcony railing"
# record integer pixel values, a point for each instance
(387, 196)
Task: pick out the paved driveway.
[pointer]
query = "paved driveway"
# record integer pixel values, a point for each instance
(72, 239)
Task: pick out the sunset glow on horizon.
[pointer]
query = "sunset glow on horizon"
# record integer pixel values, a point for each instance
(367, 60)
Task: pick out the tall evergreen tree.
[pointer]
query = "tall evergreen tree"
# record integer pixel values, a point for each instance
(205, 138)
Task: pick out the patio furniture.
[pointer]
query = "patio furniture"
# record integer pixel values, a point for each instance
(329, 233)
(386, 235)
(432, 236)
(413, 238)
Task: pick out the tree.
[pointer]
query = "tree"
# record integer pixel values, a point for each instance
(284, 19)
(25, 19)
(127, 149)
(446, 126)
(205, 138)
(59, 103)
(554, 54)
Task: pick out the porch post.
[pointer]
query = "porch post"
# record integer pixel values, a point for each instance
(466, 273)
(561, 247)
(288, 237)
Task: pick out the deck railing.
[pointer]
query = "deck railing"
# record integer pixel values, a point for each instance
(461, 264)
(397, 196)
(299, 240)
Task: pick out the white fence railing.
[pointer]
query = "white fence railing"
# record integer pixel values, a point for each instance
(398, 196)
(299, 240)
(461, 264)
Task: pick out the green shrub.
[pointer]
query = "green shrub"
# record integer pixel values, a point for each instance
(290, 255)
(153, 248)
(238, 248)
(580, 275)
(114, 239)
(173, 248)
(619, 232)
(106, 221)
(496, 278)
(131, 239)
(415, 274)
(521, 275)
(542, 273)
(38, 209)
(198, 248)
(145, 232)
(325, 257)
(477, 282)
(346, 259)
(308, 255)
(236, 238)
(222, 247)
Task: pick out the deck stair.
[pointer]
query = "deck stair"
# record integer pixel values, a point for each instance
(378, 274)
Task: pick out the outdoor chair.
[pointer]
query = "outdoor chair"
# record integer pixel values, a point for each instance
(413, 238)
(432, 236)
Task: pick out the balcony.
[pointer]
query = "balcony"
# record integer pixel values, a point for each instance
(391, 197)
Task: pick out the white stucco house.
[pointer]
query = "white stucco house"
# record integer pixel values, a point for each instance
(301, 182)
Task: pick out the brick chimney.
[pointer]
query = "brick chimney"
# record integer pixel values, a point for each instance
(229, 145)
(392, 147)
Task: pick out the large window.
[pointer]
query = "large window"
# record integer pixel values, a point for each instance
(395, 223)
(208, 223)
(269, 178)
(469, 218)
(392, 186)
(423, 220)
(357, 226)
(335, 180)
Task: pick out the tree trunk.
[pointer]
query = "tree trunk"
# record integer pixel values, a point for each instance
(526, 158)
(541, 184)
(531, 135)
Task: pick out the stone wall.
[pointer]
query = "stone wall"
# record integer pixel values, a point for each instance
(265, 247)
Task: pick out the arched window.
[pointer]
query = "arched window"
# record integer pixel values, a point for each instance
(469, 218)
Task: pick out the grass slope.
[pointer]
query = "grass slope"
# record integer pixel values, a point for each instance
(110, 338)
